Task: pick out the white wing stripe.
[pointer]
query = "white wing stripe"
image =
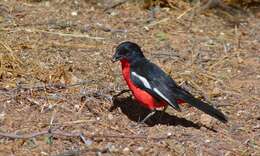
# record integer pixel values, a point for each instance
(143, 80)
(160, 94)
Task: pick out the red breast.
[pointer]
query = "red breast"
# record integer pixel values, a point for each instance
(140, 95)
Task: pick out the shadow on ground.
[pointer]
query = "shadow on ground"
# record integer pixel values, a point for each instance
(136, 113)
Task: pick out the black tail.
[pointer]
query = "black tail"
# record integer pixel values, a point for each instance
(206, 108)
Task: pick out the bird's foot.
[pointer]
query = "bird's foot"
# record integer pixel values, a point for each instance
(121, 92)
(138, 125)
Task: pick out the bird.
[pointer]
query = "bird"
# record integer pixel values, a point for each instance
(152, 87)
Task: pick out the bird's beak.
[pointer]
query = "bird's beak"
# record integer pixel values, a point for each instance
(115, 58)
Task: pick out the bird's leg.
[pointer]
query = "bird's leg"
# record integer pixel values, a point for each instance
(114, 98)
(162, 112)
(164, 109)
(148, 116)
(121, 92)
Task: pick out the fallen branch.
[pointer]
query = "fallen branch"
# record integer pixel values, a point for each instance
(75, 152)
(76, 35)
(69, 35)
(80, 135)
(108, 29)
(26, 136)
(51, 85)
(216, 3)
(115, 5)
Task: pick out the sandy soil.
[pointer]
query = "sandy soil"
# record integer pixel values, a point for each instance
(213, 55)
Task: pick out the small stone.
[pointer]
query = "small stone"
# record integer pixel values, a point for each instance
(76, 107)
(140, 148)
(146, 28)
(220, 98)
(92, 8)
(113, 13)
(166, 9)
(88, 142)
(240, 112)
(126, 150)
(206, 120)
(74, 13)
(110, 116)
(50, 106)
(211, 42)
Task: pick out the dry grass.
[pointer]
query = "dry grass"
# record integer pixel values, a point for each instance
(56, 74)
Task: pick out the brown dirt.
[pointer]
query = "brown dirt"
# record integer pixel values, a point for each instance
(65, 42)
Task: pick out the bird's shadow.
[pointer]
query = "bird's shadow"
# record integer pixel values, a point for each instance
(136, 113)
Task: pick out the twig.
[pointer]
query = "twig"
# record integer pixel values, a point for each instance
(32, 101)
(74, 152)
(78, 152)
(115, 5)
(82, 137)
(58, 33)
(77, 122)
(52, 85)
(71, 45)
(6, 47)
(32, 135)
(218, 62)
(199, 88)
(184, 13)
(166, 55)
(69, 35)
(156, 22)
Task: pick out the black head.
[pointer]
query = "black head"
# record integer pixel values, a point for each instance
(129, 51)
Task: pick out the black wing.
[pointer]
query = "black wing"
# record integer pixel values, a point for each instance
(152, 79)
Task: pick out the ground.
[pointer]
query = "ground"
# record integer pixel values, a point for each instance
(57, 76)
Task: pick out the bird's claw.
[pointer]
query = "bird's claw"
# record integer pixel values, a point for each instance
(138, 125)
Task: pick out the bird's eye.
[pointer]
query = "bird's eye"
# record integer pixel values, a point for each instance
(127, 52)
(124, 53)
